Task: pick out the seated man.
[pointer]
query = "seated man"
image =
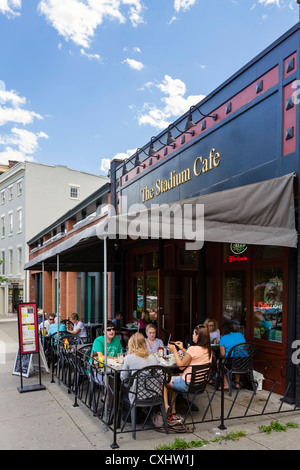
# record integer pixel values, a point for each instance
(119, 324)
(47, 323)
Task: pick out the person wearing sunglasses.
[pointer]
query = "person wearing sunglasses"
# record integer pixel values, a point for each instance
(114, 345)
(47, 323)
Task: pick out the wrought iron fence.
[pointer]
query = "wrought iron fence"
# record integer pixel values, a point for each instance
(98, 388)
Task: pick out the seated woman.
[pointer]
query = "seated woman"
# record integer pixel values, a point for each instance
(113, 342)
(213, 329)
(196, 355)
(79, 328)
(229, 339)
(152, 342)
(137, 358)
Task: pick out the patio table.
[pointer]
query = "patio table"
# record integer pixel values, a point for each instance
(114, 369)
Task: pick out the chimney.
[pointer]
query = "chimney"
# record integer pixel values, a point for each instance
(12, 163)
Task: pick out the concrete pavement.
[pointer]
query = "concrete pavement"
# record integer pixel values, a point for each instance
(46, 420)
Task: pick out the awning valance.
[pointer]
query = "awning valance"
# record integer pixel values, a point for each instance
(256, 214)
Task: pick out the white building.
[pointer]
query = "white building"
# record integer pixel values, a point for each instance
(32, 196)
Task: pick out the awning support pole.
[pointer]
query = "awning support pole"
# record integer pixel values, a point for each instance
(58, 312)
(43, 301)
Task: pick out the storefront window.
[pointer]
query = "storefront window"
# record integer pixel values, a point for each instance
(234, 299)
(138, 296)
(151, 292)
(268, 287)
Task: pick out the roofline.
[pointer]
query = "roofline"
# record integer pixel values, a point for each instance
(67, 215)
(21, 166)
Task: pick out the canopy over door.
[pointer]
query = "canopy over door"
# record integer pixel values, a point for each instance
(257, 214)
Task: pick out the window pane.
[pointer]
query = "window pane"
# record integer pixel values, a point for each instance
(138, 296)
(234, 299)
(268, 287)
(151, 291)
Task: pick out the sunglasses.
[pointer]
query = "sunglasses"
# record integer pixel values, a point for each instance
(110, 329)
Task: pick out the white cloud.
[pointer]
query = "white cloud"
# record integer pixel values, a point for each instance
(183, 4)
(269, 2)
(77, 20)
(26, 141)
(17, 115)
(11, 154)
(105, 162)
(174, 18)
(17, 143)
(134, 64)
(174, 104)
(90, 56)
(10, 7)
(10, 96)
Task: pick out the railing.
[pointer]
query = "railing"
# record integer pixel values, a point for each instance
(98, 389)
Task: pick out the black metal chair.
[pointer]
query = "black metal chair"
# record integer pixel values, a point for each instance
(196, 380)
(144, 389)
(240, 361)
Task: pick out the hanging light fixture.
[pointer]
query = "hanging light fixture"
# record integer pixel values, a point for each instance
(189, 123)
(152, 150)
(213, 116)
(185, 131)
(137, 161)
(125, 171)
(170, 139)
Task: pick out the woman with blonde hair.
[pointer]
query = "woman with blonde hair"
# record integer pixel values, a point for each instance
(152, 342)
(213, 329)
(137, 358)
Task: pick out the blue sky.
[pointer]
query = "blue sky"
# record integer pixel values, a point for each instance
(84, 81)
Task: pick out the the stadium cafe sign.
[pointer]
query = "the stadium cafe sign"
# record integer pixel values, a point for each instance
(201, 166)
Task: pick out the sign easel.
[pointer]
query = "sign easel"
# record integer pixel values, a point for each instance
(28, 341)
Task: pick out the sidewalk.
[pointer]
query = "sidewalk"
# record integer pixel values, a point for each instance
(46, 420)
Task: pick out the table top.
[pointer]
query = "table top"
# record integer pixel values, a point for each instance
(114, 364)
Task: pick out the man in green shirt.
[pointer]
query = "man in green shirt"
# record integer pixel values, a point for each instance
(113, 342)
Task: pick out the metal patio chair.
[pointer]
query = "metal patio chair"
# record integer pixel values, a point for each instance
(145, 390)
(240, 361)
(197, 380)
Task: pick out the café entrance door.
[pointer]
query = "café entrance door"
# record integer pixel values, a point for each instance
(177, 304)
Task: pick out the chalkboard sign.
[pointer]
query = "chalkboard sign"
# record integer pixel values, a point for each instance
(26, 364)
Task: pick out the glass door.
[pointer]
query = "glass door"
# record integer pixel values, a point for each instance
(234, 299)
(177, 305)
